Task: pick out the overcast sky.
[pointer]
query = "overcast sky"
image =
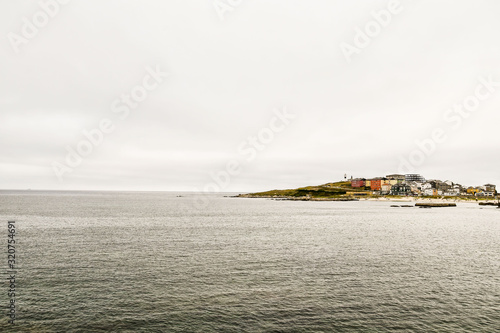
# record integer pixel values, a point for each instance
(358, 103)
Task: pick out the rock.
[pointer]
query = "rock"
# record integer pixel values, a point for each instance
(435, 204)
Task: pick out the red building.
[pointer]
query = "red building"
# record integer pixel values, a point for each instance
(358, 182)
(376, 184)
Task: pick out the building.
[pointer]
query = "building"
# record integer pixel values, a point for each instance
(452, 192)
(376, 184)
(431, 192)
(416, 188)
(368, 182)
(473, 190)
(442, 186)
(396, 176)
(401, 189)
(416, 185)
(413, 177)
(386, 188)
(427, 186)
(358, 182)
(395, 179)
(490, 188)
(485, 194)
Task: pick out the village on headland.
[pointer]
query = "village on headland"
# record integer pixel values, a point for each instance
(395, 187)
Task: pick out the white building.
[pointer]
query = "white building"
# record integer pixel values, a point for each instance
(452, 192)
(430, 191)
(386, 188)
(485, 194)
(426, 186)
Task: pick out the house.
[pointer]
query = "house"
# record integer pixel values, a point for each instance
(376, 184)
(473, 190)
(395, 179)
(485, 194)
(358, 182)
(386, 188)
(442, 186)
(417, 185)
(401, 189)
(427, 186)
(490, 188)
(431, 192)
(396, 176)
(452, 192)
(439, 185)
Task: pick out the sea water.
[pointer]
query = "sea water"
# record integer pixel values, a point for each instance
(179, 262)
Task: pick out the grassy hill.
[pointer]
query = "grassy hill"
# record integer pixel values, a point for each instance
(330, 190)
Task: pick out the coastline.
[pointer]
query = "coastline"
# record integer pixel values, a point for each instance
(377, 199)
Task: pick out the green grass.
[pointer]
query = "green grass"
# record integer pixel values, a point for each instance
(331, 190)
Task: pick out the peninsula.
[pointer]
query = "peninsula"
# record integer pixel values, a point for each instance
(395, 187)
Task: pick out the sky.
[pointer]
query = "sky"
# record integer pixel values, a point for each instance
(240, 96)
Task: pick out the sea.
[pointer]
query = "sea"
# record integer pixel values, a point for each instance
(186, 262)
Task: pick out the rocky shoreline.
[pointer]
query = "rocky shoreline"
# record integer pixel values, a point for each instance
(288, 198)
(442, 202)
